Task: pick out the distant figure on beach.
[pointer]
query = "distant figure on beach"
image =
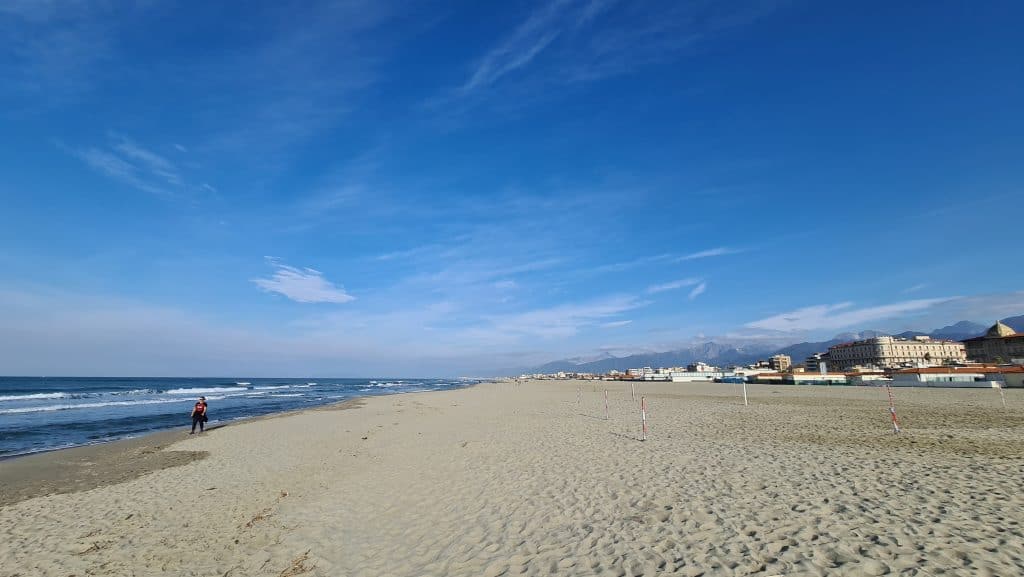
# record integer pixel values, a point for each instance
(199, 415)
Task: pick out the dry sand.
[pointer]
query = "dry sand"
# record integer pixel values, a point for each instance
(505, 479)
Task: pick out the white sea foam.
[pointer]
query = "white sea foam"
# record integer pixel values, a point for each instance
(203, 391)
(67, 407)
(32, 397)
(272, 388)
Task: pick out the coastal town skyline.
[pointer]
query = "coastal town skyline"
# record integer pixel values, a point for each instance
(377, 188)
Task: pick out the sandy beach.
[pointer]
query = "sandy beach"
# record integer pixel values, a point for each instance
(506, 479)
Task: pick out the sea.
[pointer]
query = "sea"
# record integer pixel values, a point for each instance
(43, 414)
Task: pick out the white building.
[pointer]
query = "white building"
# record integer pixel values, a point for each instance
(697, 376)
(780, 363)
(892, 352)
(700, 367)
(942, 377)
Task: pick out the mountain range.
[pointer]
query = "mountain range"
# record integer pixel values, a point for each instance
(725, 354)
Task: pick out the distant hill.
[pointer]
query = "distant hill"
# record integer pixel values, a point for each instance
(959, 331)
(708, 352)
(725, 354)
(801, 351)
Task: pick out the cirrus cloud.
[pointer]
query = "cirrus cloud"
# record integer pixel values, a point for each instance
(698, 290)
(673, 285)
(841, 315)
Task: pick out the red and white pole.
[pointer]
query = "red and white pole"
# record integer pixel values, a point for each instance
(1001, 395)
(606, 403)
(643, 418)
(892, 410)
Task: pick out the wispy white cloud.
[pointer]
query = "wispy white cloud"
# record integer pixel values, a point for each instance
(915, 288)
(117, 168)
(698, 290)
(130, 163)
(520, 47)
(841, 315)
(408, 253)
(149, 160)
(561, 37)
(626, 265)
(717, 251)
(615, 324)
(673, 285)
(475, 271)
(563, 320)
(303, 285)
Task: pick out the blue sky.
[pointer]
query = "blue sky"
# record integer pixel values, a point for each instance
(405, 188)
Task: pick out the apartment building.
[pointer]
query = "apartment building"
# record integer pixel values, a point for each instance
(892, 352)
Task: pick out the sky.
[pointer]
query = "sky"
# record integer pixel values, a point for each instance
(378, 188)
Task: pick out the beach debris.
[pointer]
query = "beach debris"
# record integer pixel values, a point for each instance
(97, 546)
(298, 566)
(257, 518)
(266, 512)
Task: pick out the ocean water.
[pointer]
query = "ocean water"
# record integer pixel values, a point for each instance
(39, 413)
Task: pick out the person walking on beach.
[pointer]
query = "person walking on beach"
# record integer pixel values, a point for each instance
(199, 415)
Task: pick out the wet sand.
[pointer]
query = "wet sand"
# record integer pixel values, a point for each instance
(90, 467)
(505, 479)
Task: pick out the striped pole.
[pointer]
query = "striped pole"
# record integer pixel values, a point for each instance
(643, 418)
(892, 410)
(606, 403)
(1001, 395)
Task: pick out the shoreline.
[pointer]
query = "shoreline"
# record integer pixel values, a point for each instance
(79, 413)
(64, 470)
